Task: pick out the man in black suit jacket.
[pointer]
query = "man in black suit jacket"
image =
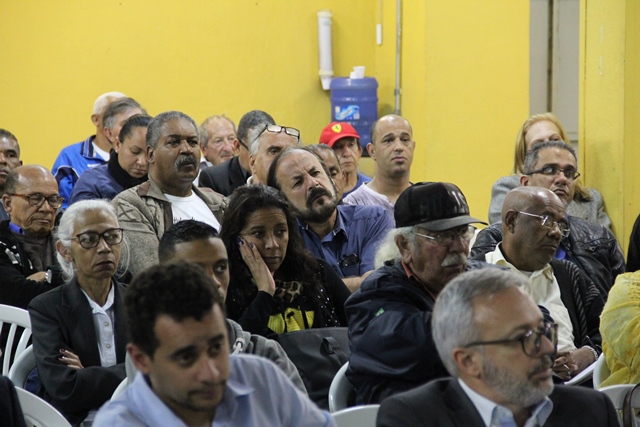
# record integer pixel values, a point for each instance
(227, 176)
(494, 341)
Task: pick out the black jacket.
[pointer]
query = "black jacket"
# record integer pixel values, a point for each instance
(225, 177)
(592, 247)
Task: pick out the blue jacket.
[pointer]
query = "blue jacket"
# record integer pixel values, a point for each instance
(71, 162)
(96, 183)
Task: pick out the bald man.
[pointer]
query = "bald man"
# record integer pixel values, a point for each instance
(391, 148)
(533, 224)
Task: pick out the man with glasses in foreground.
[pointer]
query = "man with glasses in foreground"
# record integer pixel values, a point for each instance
(267, 141)
(28, 264)
(494, 341)
(533, 222)
(389, 317)
(592, 247)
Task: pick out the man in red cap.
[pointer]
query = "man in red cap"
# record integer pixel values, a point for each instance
(345, 141)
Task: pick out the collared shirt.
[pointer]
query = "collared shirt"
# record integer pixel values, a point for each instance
(257, 394)
(103, 323)
(364, 195)
(494, 415)
(351, 246)
(545, 291)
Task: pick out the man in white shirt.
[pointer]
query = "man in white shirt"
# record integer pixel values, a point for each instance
(533, 223)
(495, 342)
(147, 210)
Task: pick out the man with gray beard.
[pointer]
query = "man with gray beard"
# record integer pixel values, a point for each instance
(147, 210)
(390, 316)
(497, 345)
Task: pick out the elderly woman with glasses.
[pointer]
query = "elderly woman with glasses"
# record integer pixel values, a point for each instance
(78, 328)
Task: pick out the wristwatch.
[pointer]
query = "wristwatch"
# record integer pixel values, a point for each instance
(48, 275)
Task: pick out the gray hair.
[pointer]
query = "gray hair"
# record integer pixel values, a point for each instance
(204, 132)
(249, 121)
(452, 322)
(68, 221)
(156, 125)
(103, 100)
(254, 137)
(531, 158)
(117, 107)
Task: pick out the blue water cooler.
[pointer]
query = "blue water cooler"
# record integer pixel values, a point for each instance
(355, 101)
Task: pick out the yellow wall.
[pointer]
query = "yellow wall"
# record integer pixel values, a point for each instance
(464, 70)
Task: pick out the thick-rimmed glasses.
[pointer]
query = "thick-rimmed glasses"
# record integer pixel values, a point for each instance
(91, 239)
(531, 340)
(37, 199)
(546, 221)
(278, 129)
(570, 174)
(446, 238)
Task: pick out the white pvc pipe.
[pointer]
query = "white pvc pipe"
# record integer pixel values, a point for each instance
(324, 48)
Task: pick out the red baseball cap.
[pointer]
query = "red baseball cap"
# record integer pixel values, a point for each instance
(335, 131)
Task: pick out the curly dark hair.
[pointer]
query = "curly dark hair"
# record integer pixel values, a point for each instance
(179, 290)
(298, 263)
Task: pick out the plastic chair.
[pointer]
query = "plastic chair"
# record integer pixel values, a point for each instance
(617, 393)
(38, 412)
(120, 389)
(357, 416)
(340, 390)
(22, 367)
(601, 372)
(14, 318)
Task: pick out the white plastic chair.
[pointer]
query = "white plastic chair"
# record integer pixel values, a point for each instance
(340, 390)
(22, 367)
(357, 416)
(120, 389)
(15, 317)
(38, 412)
(617, 393)
(601, 372)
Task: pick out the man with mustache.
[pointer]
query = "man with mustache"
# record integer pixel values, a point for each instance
(179, 343)
(389, 317)
(533, 222)
(592, 247)
(346, 237)
(497, 345)
(147, 210)
(9, 160)
(391, 148)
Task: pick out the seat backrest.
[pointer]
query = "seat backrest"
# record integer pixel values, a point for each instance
(601, 372)
(341, 390)
(617, 393)
(19, 325)
(357, 416)
(38, 412)
(22, 367)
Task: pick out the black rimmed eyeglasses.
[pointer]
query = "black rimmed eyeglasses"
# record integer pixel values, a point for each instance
(570, 174)
(546, 221)
(90, 239)
(531, 340)
(37, 199)
(446, 238)
(278, 129)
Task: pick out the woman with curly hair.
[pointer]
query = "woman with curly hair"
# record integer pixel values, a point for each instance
(276, 284)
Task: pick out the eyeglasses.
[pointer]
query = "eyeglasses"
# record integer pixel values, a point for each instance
(91, 239)
(37, 199)
(446, 238)
(531, 340)
(570, 174)
(278, 129)
(546, 221)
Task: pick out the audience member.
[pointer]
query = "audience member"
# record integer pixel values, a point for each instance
(115, 114)
(28, 265)
(267, 142)
(586, 203)
(10, 408)
(346, 237)
(389, 317)
(620, 329)
(330, 159)
(391, 148)
(495, 343)
(147, 210)
(227, 176)
(532, 226)
(93, 151)
(9, 160)
(79, 337)
(345, 142)
(633, 254)
(217, 136)
(276, 284)
(199, 243)
(179, 344)
(127, 166)
(592, 247)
